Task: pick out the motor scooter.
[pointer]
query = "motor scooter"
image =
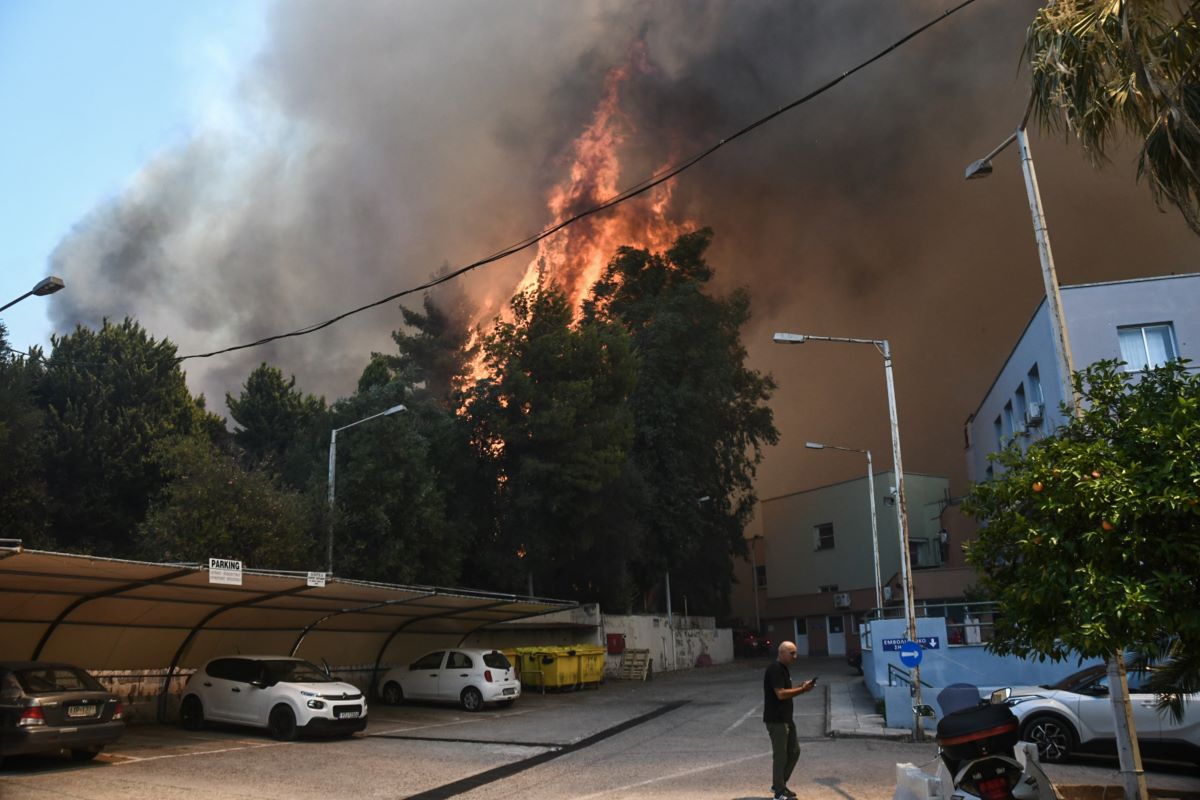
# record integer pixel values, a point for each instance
(979, 755)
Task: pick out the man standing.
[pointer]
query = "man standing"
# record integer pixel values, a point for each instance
(777, 714)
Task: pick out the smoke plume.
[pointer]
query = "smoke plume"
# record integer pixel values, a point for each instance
(381, 140)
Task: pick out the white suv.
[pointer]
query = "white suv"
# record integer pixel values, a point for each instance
(287, 696)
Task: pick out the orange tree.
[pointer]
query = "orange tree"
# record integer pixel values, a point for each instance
(1090, 538)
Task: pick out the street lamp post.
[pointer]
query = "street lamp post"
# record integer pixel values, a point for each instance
(333, 467)
(45, 286)
(901, 503)
(1062, 343)
(1127, 748)
(874, 525)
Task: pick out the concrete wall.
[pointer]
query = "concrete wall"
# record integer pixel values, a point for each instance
(670, 648)
(946, 665)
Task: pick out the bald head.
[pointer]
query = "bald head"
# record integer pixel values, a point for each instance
(787, 653)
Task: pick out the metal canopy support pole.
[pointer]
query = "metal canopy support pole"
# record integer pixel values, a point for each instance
(874, 533)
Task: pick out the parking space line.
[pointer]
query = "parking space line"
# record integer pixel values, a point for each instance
(540, 745)
(247, 746)
(744, 717)
(464, 785)
(675, 776)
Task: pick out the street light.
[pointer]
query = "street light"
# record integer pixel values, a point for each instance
(1062, 343)
(1127, 748)
(45, 286)
(874, 525)
(901, 505)
(333, 466)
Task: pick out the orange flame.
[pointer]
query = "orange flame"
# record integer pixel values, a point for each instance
(575, 257)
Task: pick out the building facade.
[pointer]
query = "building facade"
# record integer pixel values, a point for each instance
(818, 558)
(1147, 321)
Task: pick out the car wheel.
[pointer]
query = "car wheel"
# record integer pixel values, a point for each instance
(472, 700)
(84, 755)
(191, 713)
(282, 723)
(393, 695)
(1053, 736)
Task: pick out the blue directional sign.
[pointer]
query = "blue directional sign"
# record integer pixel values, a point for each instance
(910, 654)
(926, 642)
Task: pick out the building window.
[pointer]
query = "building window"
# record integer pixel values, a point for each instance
(999, 428)
(1011, 425)
(1022, 407)
(823, 537)
(761, 575)
(989, 474)
(1147, 346)
(827, 588)
(1035, 386)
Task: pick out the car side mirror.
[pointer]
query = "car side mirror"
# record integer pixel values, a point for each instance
(259, 684)
(1099, 688)
(1000, 696)
(924, 710)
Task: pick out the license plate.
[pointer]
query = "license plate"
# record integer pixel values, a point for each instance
(75, 712)
(348, 715)
(510, 691)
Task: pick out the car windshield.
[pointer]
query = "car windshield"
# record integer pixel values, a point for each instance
(295, 672)
(44, 680)
(496, 660)
(1076, 680)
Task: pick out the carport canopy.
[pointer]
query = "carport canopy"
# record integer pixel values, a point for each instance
(109, 614)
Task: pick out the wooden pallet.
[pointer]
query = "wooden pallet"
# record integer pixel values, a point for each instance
(636, 665)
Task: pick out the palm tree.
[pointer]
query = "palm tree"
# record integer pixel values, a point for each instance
(1101, 68)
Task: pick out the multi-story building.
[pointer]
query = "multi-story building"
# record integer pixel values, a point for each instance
(1143, 322)
(817, 567)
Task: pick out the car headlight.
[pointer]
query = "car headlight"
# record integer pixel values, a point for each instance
(318, 704)
(1021, 698)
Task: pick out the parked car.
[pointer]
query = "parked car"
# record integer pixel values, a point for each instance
(1076, 715)
(287, 696)
(48, 708)
(469, 677)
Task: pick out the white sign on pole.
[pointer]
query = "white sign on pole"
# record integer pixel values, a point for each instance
(316, 579)
(225, 571)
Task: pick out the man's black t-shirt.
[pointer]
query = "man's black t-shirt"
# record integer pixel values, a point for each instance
(774, 709)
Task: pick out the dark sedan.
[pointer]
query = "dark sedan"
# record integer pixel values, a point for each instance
(49, 708)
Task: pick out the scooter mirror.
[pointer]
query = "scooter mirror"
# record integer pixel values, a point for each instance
(924, 710)
(1000, 696)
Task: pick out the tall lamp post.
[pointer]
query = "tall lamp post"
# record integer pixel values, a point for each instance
(45, 286)
(1127, 748)
(333, 467)
(874, 525)
(1062, 343)
(901, 504)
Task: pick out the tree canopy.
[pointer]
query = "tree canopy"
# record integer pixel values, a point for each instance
(1090, 539)
(1101, 68)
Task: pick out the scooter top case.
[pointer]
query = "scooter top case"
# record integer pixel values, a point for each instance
(976, 732)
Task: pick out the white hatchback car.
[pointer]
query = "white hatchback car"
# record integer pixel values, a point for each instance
(1076, 715)
(469, 677)
(287, 696)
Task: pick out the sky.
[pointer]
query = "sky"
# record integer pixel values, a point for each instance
(228, 170)
(91, 92)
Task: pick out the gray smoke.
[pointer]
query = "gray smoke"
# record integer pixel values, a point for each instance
(380, 140)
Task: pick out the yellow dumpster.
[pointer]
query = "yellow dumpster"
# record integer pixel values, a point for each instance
(549, 667)
(515, 660)
(591, 664)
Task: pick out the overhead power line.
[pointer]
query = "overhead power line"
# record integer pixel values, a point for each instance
(645, 185)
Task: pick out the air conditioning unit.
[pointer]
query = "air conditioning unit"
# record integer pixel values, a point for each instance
(1033, 414)
(841, 600)
(887, 594)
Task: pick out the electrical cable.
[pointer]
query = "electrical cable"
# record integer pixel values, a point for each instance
(629, 193)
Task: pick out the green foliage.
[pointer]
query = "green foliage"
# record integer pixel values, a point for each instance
(1091, 538)
(276, 424)
(24, 502)
(701, 416)
(1102, 68)
(554, 421)
(212, 507)
(110, 396)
